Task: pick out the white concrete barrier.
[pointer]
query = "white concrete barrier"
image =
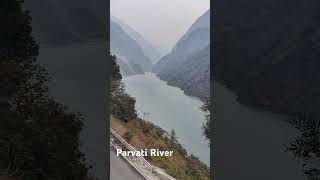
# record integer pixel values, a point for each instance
(153, 169)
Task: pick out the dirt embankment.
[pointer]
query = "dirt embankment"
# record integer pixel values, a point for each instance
(145, 135)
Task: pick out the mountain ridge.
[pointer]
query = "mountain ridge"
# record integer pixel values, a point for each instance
(152, 52)
(187, 65)
(128, 51)
(272, 60)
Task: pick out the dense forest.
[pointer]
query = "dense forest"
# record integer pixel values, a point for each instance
(39, 138)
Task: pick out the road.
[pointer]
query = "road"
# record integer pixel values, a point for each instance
(120, 169)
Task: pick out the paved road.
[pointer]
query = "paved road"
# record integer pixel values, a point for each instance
(120, 170)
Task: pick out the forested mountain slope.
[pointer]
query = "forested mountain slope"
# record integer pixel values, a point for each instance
(152, 52)
(268, 52)
(188, 64)
(129, 54)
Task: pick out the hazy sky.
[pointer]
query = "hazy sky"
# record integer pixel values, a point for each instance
(162, 22)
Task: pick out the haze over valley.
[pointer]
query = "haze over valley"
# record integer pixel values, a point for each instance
(161, 22)
(186, 66)
(168, 86)
(130, 55)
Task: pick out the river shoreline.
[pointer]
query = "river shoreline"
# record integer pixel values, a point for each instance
(251, 142)
(170, 108)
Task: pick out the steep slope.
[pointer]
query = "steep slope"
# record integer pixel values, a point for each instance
(193, 75)
(187, 65)
(152, 52)
(127, 70)
(128, 50)
(268, 52)
(62, 22)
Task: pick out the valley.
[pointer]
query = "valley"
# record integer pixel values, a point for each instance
(169, 108)
(170, 103)
(186, 66)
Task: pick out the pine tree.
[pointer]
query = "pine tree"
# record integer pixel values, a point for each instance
(122, 104)
(173, 136)
(115, 69)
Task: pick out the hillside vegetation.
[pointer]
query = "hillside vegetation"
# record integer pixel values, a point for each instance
(188, 64)
(142, 134)
(145, 135)
(267, 51)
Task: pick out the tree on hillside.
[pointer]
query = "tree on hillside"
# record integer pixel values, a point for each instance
(122, 104)
(206, 127)
(173, 136)
(115, 69)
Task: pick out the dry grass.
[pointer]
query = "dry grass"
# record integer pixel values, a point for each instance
(144, 136)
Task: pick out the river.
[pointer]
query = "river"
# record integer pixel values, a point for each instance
(250, 143)
(169, 108)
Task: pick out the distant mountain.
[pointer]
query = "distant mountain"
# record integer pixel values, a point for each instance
(192, 75)
(188, 64)
(62, 22)
(129, 54)
(152, 52)
(267, 51)
(128, 69)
